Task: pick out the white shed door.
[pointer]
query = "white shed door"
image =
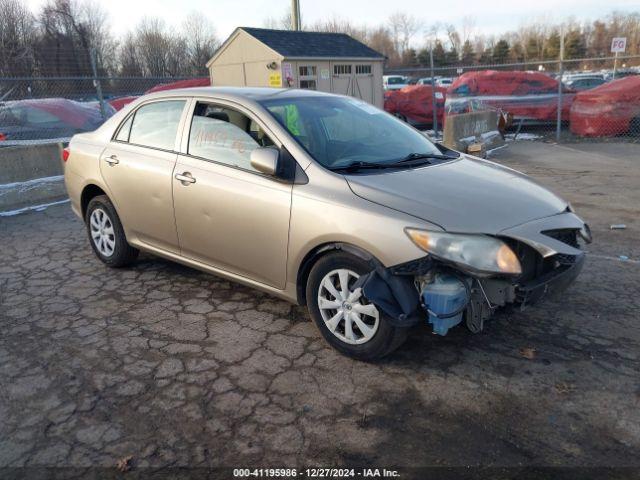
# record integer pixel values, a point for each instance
(355, 80)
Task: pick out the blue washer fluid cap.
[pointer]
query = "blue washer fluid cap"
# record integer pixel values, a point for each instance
(444, 296)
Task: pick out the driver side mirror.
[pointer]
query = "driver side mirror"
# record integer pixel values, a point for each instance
(265, 160)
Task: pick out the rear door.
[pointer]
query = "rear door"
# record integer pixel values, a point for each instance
(137, 167)
(228, 215)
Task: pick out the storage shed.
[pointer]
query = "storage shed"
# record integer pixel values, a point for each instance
(329, 62)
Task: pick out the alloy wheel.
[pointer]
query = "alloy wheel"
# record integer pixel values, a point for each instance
(102, 233)
(344, 310)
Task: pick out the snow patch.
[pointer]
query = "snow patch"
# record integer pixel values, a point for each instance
(510, 137)
(30, 183)
(36, 208)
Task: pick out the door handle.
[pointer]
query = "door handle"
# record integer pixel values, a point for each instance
(186, 178)
(112, 160)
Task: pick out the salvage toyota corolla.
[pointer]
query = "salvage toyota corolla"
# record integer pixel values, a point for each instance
(322, 200)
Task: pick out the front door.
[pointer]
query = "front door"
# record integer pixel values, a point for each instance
(228, 215)
(137, 167)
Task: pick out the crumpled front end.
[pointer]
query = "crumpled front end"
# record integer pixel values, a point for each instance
(444, 294)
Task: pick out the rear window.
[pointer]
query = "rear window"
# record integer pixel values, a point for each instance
(155, 125)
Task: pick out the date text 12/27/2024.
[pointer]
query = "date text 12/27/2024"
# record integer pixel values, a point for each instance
(314, 473)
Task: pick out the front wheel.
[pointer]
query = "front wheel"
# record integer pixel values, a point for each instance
(347, 320)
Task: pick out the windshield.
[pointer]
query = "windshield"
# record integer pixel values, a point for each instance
(395, 80)
(339, 131)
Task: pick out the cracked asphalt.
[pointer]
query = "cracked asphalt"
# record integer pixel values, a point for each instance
(175, 367)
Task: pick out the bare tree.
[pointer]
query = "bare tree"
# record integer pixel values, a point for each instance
(201, 42)
(153, 46)
(402, 28)
(282, 23)
(131, 64)
(468, 28)
(454, 37)
(96, 21)
(17, 34)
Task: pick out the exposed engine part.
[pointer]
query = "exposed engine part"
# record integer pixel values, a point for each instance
(445, 299)
(477, 312)
(486, 296)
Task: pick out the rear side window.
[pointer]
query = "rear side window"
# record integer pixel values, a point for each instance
(125, 128)
(156, 124)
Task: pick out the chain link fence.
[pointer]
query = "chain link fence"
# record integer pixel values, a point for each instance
(52, 109)
(565, 101)
(568, 101)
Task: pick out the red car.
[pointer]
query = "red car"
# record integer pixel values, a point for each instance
(529, 96)
(192, 82)
(48, 118)
(119, 102)
(607, 110)
(415, 105)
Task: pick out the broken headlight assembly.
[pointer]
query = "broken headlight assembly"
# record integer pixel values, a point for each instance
(473, 253)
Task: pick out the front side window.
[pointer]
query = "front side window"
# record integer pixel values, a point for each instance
(337, 131)
(224, 135)
(155, 125)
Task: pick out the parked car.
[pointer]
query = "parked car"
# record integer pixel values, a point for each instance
(394, 82)
(191, 82)
(584, 83)
(568, 77)
(414, 104)
(608, 110)
(48, 118)
(321, 200)
(425, 81)
(444, 82)
(119, 102)
(531, 97)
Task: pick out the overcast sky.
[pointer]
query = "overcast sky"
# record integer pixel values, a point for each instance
(491, 16)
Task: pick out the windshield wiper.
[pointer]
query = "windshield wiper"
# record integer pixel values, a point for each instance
(353, 166)
(412, 157)
(422, 156)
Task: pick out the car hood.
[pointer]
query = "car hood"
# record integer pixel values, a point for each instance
(465, 195)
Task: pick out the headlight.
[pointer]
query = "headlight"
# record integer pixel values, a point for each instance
(479, 252)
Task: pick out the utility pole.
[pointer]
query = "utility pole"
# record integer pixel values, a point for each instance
(96, 82)
(560, 73)
(295, 15)
(433, 95)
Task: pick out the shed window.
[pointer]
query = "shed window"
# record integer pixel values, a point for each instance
(308, 84)
(363, 69)
(342, 69)
(307, 70)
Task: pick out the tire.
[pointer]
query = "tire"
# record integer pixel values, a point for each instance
(106, 235)
(376, 338)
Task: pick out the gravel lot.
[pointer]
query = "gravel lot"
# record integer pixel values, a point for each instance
(174, 367)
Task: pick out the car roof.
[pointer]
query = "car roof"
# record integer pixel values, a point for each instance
(255, 94)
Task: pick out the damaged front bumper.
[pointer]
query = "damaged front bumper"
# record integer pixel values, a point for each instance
(550, 283)
(548, 250)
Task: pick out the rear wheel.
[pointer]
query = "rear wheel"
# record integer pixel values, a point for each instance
(347, 320)
(106, 234)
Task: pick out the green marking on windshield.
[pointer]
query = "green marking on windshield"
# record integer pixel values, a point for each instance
(292, 118)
